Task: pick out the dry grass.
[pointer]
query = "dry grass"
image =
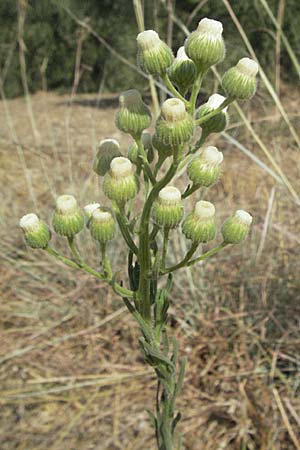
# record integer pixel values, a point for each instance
(71, 372)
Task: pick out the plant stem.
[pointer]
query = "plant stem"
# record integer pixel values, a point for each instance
(172, 88)
(124, 229)
(213, 113)
(185, 260)
(144, 244)
(86, 268)
(146, 165)
(165, 248)
(191, 190)
(195, 92)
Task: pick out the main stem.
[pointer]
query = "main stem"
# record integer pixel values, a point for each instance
(144, 255)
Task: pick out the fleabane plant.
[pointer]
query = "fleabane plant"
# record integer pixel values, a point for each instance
(147, 171)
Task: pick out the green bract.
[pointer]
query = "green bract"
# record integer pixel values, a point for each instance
(36, 232)
(200, 225)
(134, 116)
(182, 72)
(236, 228)
(120, 183)
(239, 82)
(168, 209)
(108, 150)
(68, 219)
(102, 225)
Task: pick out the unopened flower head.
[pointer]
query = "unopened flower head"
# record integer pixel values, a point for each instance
(204, 170)
(182, 71)
(102, 225)
(120, 183)
(134, 116)
(68, 219)
(88, 211)
(175, 126)
(200, 225)
(154, 56)
(167, 211)
(217, 123)
(205, 46)
(36, 232)
(236, 228)
(108, 149)
(134, 153)
(239, 82)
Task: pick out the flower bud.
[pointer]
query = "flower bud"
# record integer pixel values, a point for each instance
(102, 225)
(174, 127)
(108, 149)
(154, 56)
(68, 219)
(88, 212)
(240, 81)
(236, 228)
(182, 71)
(204, 170)
(36, 232)
(134, 116)
(205, 46)
(167, 210)
(133, 151)
(217, 123)
(200, 225)
(120, 183)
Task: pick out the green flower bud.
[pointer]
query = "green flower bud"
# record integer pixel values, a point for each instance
(236, 228)
(219, 122)
(240, 81)
(36, 232)
(154, 56)
(120, 183)
(68, 219)
(102, 225)
(88, 212)
(204, 170)
(134, 116)
(133, 151)
(183, 71)
(167, 210)
(174, 127)
(200, 225)
(205, 46)
(108, 149)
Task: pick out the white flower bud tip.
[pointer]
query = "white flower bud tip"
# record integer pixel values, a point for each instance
(101, 216)
(148, 39)
(170, 195)
(211, 155)
(244, 217)
(29, 222)
(212, 27)
(121, 167)
(173, 109)
(109, 141)
(215, 101)
(204, 210)
(66, 204)
(89, 209)
(248, 67)
(181, 55)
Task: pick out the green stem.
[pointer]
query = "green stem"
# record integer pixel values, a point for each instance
(165, 248)
(213, 113)
(153, 233)
(172, 88)
(86, 268)
(185, 260)
(161, 160)
(124, 229)
(144, 255)
(146, 165)
(208, 254)
(195, 92)
(74, 250)
(105, 261)
(191, 190)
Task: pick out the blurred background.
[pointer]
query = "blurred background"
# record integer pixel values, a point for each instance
(71, 372)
